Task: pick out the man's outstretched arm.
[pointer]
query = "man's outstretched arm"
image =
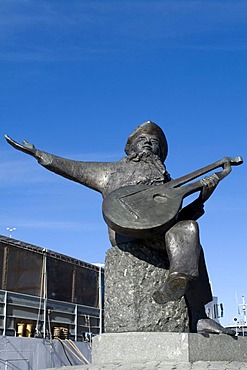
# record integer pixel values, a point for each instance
(90, 174)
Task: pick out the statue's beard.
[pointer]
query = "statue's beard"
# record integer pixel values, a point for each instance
(145, 156)
(148, 157)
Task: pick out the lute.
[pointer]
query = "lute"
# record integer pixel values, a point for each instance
(142, 211)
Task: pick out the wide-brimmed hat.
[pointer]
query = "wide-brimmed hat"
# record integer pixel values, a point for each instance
(152, 129)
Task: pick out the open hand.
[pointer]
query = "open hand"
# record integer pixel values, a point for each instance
(26, 147)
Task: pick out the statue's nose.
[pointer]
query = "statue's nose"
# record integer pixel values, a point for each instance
(147, 141)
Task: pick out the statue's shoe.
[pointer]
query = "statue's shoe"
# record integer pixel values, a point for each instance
(209, 326)
(173, 289)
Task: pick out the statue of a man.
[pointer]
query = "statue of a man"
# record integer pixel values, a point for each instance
(146, 150)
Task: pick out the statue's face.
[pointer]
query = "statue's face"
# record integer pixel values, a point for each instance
(147, 143)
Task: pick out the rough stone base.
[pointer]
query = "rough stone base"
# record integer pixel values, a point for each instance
(132, 274)
(129, 348)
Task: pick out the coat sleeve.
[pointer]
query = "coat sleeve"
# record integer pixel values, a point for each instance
(91, 174)
(192, 211)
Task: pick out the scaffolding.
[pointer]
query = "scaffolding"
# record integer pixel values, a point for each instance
(49, 295)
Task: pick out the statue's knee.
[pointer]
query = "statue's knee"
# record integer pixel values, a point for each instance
(184, 234)
(183, 247)
(188, 227)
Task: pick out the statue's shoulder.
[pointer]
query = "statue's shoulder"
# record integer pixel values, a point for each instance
(123, 160)
(126, 163)
(115, 167)
(121, 163)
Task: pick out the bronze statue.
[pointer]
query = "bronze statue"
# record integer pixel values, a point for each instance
(146, 150)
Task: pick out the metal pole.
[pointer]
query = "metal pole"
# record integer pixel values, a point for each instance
(76, 321)
(44, 290)
(244, 308)
(100, 302)
(5, 312)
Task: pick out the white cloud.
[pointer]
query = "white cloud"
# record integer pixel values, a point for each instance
(56, 225)
(75, 30)
(15, 172)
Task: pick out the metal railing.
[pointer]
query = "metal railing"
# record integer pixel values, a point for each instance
(45, 316)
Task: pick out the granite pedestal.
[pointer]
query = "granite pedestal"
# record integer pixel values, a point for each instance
(129, 348)
(132, 274)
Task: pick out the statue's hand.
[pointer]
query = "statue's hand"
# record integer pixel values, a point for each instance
(209, 185)
(26, 147)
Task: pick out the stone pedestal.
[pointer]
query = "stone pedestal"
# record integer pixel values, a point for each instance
(134, 348)
(132, 274)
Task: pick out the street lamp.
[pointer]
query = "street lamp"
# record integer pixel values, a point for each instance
(11, 229)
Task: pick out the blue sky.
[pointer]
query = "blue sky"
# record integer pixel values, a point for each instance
(78, 76)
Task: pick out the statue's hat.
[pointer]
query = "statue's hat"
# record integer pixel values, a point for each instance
(152, 129)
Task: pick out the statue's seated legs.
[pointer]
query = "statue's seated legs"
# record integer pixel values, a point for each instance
(188, 277)
(183, 249)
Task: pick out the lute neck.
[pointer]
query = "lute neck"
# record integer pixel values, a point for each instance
(225, 163)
